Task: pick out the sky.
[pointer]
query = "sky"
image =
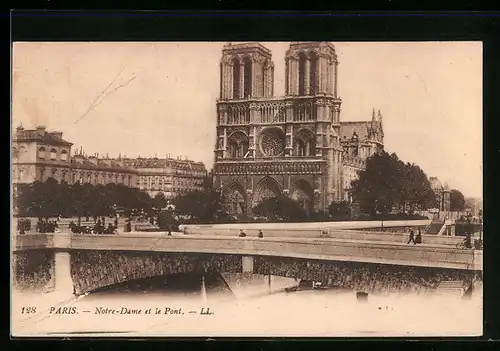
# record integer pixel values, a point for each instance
(429, 93)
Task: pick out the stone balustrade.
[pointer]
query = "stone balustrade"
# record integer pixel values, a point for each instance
(306, 248)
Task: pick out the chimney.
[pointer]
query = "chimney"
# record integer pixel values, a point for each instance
(92, 159)
(40, 130)
(19, 130)
(56, 135)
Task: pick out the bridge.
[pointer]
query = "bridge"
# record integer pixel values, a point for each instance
(354, 259)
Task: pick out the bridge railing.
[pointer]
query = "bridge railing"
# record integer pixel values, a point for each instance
(329, 233)
(319, 249)
(313, 225)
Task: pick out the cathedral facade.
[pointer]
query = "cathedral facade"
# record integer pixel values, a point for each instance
(294, 145)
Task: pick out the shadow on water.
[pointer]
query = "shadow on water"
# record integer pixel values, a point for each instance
(191, 284)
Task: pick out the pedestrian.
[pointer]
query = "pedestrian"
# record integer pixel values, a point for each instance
(242, 233)
(169, 229)
(412, 237)
(418, 238)
(261, 235)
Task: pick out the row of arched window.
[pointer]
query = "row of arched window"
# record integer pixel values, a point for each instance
(19, 154)
(242, 88)
(52, 154)
(238, 116)
(304, 112)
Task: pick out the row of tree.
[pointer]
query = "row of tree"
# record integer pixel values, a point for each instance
(388, 183)
(50, 198)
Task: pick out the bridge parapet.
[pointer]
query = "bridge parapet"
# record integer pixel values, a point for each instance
(308, 248)
(311, 225)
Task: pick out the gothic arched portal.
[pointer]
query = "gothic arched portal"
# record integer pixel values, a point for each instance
(265, 189)
(303, 193)
(236, 199)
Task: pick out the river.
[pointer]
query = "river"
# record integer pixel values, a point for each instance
(245, 307)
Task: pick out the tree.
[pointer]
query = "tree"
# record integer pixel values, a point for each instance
(416, 192)
(457, 200)
(208, 181)
(23, 199)
(377, 187)
(203, 206)
(160, 201)
(339, 210)
(50, 198)
(387, 182)
(280, 208)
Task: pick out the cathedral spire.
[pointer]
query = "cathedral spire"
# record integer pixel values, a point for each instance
(379, 117)
(373, 115)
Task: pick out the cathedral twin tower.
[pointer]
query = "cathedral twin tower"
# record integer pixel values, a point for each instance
(269, 146)
(247, 71)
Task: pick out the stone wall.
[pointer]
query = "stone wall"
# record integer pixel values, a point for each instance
(375, 278)
(94, 269)
(33, 270)
(405, 229)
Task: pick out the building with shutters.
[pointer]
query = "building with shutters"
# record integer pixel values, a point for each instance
(38, 155)
(169, 176)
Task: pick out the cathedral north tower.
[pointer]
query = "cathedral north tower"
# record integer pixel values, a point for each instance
(246, 72)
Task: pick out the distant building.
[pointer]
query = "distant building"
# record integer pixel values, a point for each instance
(169, 176)
(38, 155)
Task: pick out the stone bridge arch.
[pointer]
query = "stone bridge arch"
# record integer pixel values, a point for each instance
(92, 270)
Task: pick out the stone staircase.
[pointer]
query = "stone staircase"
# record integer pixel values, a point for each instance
(454, 287)
(435, 227)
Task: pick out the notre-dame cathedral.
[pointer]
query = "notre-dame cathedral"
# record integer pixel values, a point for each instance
(294, 145)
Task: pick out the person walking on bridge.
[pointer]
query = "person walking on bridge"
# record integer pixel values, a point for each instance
(412, 237)
(261, 235)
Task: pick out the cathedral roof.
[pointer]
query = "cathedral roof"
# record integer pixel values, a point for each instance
(347, 129)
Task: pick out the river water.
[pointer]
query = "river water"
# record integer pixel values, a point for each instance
(248, 308)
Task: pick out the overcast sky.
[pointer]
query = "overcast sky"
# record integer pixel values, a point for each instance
(430, 95)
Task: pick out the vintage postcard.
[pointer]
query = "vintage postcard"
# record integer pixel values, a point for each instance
(241, 189)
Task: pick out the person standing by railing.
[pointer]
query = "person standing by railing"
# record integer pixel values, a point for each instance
(412, 237)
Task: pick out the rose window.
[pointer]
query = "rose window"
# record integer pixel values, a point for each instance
(272, 143)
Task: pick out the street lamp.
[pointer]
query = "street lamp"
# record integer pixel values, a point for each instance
(481, 227)
(469, 230)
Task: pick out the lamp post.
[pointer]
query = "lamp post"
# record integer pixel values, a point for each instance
(481, 227)
(469, 230)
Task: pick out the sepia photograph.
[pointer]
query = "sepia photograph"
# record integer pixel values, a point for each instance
(247, 189)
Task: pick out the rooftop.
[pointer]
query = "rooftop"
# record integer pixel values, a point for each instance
(246, 48)
(39, 134)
